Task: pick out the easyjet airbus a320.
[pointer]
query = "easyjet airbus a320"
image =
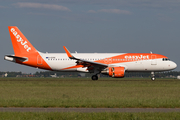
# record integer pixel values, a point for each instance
(113, 64)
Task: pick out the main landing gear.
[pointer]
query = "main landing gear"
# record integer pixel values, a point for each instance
(94, 77)
(152, 76)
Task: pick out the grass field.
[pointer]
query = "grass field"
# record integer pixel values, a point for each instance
(83, 92)
(88, 116)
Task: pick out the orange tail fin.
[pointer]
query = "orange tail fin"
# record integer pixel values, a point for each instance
(20, 43)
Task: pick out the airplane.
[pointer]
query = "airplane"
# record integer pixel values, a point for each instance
(113, 64)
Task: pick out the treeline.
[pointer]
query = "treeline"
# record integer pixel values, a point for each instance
(157, 74)
(39, 74)
(59, 74)
(10, 74)
(76, 74)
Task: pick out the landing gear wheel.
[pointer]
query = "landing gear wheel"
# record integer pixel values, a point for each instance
(153, 78)
(94, 77)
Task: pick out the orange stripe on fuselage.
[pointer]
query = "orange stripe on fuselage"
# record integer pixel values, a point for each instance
(76, 66)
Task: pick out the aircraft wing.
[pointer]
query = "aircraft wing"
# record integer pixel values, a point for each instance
(83, 62)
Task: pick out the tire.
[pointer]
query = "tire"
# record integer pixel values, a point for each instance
(94, 77)
(153, 78)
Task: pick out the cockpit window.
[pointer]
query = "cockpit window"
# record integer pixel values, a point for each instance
(165, 59)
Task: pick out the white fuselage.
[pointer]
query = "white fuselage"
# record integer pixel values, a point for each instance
(60, 61)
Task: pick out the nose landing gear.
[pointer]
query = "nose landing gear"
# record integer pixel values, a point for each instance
(152, 76)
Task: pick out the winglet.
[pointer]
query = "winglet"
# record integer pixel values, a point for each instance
(68, 53)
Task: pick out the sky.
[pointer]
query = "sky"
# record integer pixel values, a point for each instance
(88, 26)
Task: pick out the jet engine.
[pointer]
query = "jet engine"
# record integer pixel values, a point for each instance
(115, 72)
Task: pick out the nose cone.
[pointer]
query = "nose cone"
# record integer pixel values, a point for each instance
(173, 65)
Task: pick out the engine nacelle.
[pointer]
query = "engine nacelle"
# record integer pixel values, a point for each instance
(115, 72)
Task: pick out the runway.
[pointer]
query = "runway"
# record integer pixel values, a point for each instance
(88, 110)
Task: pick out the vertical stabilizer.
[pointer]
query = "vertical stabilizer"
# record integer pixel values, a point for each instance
(20, 43)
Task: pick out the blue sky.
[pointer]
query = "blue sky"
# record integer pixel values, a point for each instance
(103, 26)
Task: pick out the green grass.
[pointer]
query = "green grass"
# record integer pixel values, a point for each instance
(83, 92)
(87, 116)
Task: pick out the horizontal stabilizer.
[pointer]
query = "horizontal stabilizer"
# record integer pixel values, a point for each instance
(12, 58)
